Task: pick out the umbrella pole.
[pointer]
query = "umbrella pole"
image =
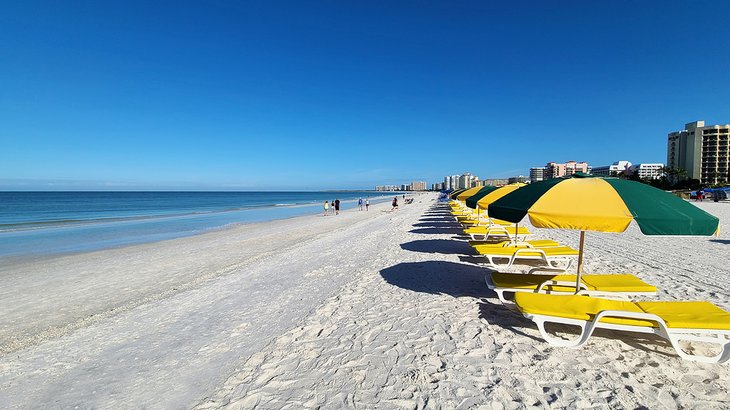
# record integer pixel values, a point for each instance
(580, 261)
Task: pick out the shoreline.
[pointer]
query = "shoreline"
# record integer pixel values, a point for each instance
(248, 215)
(203, 253)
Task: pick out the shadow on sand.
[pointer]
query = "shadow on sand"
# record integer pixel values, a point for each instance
(723, 241)
(432, 231)
(460, 280)
(457, 280)
(444, 224)
(434, 219)
(439, 277)
(445, 246)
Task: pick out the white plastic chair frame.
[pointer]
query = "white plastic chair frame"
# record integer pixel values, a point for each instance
(720, 338)
(553, 262)
(545, 286)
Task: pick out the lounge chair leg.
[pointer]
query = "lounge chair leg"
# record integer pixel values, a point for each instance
(723, 343)
(586, 329)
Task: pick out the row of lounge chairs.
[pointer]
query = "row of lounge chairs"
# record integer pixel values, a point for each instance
(553, 297)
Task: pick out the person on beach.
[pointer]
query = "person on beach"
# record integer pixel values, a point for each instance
(332, 206)
(395, 204)
(367, 204)
(337, 206)
(359, 203)
(326, 207)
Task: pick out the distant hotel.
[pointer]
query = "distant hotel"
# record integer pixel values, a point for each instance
(537, 174)
(702, 151)
(613, 170)
(465, 180)
(648, 171)
(495, 182)
(556, 170)
(418, 186)
(645, 171)
(413, 186)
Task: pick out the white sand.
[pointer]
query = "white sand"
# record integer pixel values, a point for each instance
(361, 310)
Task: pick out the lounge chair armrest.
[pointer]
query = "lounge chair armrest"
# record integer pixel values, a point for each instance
(570, 284)
(523, 250)
(631, 315)
(545, 269)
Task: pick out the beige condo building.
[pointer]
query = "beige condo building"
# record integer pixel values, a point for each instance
(555, 170)
(702, 151)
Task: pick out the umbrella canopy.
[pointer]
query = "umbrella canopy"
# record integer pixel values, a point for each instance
(605, 205)
(467, 193)
(602, 204)
(455, 193)
(485, 201)
(471, 202)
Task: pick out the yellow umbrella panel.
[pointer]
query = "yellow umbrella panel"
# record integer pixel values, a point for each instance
(469, 192)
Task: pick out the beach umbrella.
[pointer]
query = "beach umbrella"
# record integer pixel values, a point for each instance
(471, 202)
(587, 203)
(495, 194)
(455, 193)
(467, 193)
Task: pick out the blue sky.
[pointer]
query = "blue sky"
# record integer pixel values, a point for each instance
(344, 94)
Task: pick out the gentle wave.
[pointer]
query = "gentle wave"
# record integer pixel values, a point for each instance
(59, 223)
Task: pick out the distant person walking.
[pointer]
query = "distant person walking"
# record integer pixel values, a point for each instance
(359, 203)
(337, 206)
(367, 204)
(700, 195)
(326, 207)
(332, 206)
(395, 204)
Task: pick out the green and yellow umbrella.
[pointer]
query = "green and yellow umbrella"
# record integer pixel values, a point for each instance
(467, 193)
(602, 204)
(471, 202)
(455, 193)
(495, 194)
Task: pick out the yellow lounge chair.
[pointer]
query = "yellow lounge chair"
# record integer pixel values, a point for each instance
(674, 321)
(537, 243)
(552, 256)
(621, 286)
(487, 233)
(482, 219)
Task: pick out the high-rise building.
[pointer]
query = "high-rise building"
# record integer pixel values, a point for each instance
(467, 180)
(611, 170)
(495, 181)
(648, 171)
(702, 151)
(537, 174)
(454, 182)
(555, 170)
(437, 186)
(418, 186)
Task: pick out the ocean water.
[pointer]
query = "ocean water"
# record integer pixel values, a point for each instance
(49, 223)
